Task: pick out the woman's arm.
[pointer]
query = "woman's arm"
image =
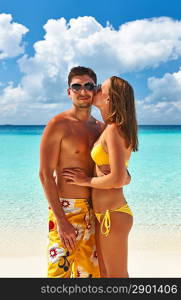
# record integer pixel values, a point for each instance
(105, 170)
(116, 150)
(118, 172)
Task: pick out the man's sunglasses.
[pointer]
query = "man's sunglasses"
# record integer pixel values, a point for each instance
(88, 86)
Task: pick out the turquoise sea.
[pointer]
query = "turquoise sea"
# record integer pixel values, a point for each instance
(154, 193)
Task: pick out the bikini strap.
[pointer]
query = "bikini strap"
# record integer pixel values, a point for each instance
(106, 222)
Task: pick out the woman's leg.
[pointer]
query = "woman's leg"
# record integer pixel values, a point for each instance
(114, 247)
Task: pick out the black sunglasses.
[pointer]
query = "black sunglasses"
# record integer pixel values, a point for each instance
(88, 86)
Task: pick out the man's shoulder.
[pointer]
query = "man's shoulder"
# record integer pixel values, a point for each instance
(59, 120)
(99, 123)
(58, 124)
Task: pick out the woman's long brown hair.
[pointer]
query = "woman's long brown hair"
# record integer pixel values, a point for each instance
(122, 110)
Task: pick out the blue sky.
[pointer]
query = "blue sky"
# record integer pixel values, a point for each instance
(137, 40)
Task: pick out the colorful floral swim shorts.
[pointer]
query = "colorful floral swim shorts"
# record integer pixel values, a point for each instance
(81, 262)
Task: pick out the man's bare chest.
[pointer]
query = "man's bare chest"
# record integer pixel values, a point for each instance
(79, 140)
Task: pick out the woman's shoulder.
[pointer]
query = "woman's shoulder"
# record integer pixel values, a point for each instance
(114, 129)
(115, 132)
(111, 132)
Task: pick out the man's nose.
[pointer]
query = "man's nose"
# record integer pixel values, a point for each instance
(83, 91)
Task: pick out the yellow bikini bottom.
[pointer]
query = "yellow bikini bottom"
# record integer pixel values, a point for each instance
(106, 221)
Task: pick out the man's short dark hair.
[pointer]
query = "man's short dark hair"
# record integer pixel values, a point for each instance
(79, 71)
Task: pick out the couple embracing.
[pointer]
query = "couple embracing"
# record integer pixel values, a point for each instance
(83, 168)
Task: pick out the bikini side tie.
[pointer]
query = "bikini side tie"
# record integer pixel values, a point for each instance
(106, 222)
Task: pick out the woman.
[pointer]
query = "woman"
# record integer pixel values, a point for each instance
(115, 99)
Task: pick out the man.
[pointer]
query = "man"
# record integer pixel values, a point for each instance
(66, 142)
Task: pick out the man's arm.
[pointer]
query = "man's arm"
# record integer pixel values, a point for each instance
(49, 155)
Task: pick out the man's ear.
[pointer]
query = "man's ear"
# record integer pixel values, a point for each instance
(68, 92)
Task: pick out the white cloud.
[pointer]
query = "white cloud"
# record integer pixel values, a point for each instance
(11, 35)
(168, 113)
(163, 104)
(167, 88)
(134, 46)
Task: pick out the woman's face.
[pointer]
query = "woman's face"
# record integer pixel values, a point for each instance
(100, 99)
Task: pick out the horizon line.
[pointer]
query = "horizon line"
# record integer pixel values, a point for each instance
(46, 124)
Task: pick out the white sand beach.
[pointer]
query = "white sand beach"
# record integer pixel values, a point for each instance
(24, 255)
(142, 264)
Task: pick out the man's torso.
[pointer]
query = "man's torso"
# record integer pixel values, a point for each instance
(76, 143)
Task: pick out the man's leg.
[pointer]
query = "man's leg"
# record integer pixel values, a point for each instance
(60, 260)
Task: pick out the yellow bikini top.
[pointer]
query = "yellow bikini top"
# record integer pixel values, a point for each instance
(100, 156)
